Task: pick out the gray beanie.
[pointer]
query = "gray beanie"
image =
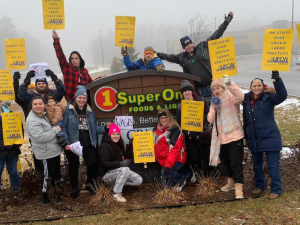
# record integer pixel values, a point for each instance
(81, 90)
(186, 85)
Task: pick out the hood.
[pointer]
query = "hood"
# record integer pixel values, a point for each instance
(82, 63)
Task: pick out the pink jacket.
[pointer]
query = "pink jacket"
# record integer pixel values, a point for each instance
(236, 98)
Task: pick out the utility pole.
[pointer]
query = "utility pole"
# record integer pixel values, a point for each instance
(292, 57)
(101, 48)
(215, 23)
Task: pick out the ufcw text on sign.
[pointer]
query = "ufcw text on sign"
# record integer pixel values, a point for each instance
(222, 57)
(6, 86)
(125, 28)
(277, 49)
(53, 14)
(12, 128)
(192, 115)
(143, 147)
(15, 54)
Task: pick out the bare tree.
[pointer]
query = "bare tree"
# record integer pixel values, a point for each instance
(195, 27)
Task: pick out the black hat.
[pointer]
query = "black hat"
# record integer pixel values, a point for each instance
(185, 41)
(50, 96)
(186, 85)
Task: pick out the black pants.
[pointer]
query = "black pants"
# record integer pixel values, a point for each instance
(233, 156)
(90, 158)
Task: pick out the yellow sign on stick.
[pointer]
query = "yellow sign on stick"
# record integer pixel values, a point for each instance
(12, 128)
(125, 28)
(298, 30)
(222, 57)
(6, 86)
(15, 54)
(277, 49)
(192, 115)
(143, 147)
(54, 14)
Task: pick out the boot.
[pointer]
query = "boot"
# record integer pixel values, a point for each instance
(229, 186)
(74, 193)
(46, 198)
(257, 191)
(239, 191)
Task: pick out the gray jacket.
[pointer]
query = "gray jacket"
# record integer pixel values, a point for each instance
(42, 136)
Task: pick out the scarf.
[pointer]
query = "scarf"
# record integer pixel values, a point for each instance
(162, 128)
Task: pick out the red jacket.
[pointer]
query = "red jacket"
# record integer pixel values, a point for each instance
(73, 76)
(169, 146)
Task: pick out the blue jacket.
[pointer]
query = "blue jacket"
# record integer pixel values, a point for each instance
(140, 63)
(70, 125)
(262, 133)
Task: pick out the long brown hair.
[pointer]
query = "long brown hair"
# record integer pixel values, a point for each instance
(167, 113)
(119, 146)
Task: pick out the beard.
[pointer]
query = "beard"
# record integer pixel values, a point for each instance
(42, 90)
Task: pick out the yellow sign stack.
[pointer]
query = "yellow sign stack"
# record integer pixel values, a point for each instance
(6, 86)
(15, 54)
(143, 147)
(54, 14)
(125, 28)
(192, 115)
(12, 128)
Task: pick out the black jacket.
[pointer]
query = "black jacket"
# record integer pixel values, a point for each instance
(22, 104)
(201, 51)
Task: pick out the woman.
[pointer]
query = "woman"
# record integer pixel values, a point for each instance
(79, 124)
(227, 133)
(170, 151)
(114, 162)
(44, 143)
(197, 144)
(9, 155)
(262, 133)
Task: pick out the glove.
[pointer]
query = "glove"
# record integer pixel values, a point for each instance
(229, 17)
(167, 171)
(124, 51)
(51, 74)
(28, 77)
(160, 68)
(125, 163)
(226, 81)
(275, 75)
(17, 75)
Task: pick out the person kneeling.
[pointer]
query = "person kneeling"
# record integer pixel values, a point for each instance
(113, 167)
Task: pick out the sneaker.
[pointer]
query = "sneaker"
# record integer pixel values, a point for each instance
(229, 186)
(257, 191)
(179, 188)
(119, 198)
(239, 191)
(193, 178)
(273, 196)
(46, 198)
(74, 193)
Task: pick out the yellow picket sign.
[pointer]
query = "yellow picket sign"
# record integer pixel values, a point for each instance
(54, 14)
(277, 49)
(143, 147)
(222, 57)
(12, 128)
(6, 86)
(192, 115)
(298, 30)
(15, 54)
(125, 28)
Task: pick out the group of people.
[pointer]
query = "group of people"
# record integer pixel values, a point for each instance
(52, 127)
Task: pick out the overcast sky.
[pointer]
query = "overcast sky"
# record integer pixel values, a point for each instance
(84, 18)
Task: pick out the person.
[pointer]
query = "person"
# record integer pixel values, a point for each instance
(31, 88)
(44, 144)
(79, 124)
(170, 151)
(73, 70)
(195, 60)
(262, 134)
(23, 105)
(114, 162)
(149, 61)
(197, 143)
(227, 133)
(9, 156)
(54, 113)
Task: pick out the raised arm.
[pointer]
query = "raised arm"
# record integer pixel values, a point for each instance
(58, 50)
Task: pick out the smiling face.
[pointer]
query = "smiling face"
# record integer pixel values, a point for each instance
(187, 94)
(189, 48)
(115, 137)
(38, 106)
(257, 87)
(217, 91)
(81, 100)
(164, 120)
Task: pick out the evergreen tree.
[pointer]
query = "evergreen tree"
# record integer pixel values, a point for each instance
(117, 64)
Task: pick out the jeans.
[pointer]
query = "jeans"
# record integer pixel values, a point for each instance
(11, 165)
(59, 123)
(204, 91)
(273, 158)
(178, 175)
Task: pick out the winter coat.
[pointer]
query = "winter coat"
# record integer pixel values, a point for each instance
(201, 51)
(43, 136)
(22, 104)
(70, 125)
(8, 150)
(73, 76)
(262, 133)
(140, 64)
(169, 146)
(55, 113)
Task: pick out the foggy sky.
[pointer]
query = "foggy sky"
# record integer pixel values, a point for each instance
(84, 18)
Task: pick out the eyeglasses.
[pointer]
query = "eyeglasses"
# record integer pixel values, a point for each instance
(163, 118)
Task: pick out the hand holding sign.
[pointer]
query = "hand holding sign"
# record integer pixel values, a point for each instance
(28, 77)
(54, 34)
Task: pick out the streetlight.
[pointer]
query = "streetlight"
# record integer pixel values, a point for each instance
(101, 48)
(215, 23)
(292, 58)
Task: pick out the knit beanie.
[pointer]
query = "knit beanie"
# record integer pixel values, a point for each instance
(114, 129)
(185, 41)
(50, 96)
(81, 90)
(31, 85)
(186, 85)
(217, 82)
(41, 80)
(149, 49)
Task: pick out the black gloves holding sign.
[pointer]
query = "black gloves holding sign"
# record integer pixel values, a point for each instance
(51, 74)
(275, 75)
(28, 77)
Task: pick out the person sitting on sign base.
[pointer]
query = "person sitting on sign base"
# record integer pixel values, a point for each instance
(149, 61)
(227, 133)
(114, 162)
(170, 151)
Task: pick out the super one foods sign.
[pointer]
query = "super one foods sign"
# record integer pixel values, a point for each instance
(108, 99)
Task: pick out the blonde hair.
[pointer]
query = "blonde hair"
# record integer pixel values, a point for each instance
(171, 118)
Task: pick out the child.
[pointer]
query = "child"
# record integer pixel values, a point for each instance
(227, 134)
(54, 113)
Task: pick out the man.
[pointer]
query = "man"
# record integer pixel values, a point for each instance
(73, 70)
(31, 88)
(195, 60)
(149, 61)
